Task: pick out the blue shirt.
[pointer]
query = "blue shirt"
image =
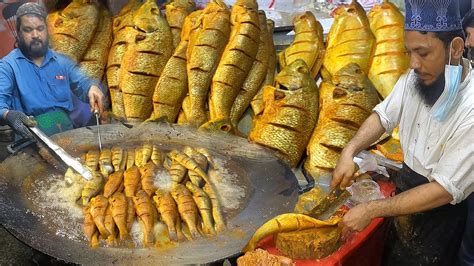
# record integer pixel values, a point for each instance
(36, 90)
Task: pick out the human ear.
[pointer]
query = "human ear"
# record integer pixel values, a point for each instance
(457, 49)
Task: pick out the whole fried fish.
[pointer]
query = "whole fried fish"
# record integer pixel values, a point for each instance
(257, 101)
(186, 208)
(144, 60)
(119, 158)
(131, 181)
(157, 156)
(147, 215)
(92, 187)
(172, 86)
(346, 101)
(349, 40)
(149, 171)
(147, 150)
(110, 226)
(105, 162)
(204, 205)
(90, 230)
(307, 45)
(113, 183)
(237, 59)
(73, 28)
(166, 206)
(176, 171)
(206, 45)
(217, 214)
(130, 214)
(118, 204)
(175, 12)
(98, 207)
(290, 114)
(124, 34)
(131, 157)
(390, 58)
(92, 159)
(256, 75)
(201, 160)
(95, 59)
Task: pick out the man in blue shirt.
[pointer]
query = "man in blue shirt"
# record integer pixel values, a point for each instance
(36, 81)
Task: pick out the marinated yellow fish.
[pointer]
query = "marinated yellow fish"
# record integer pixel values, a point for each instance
(124, 34)
(307, 45)
(118, 203)
(217, 214)
(346, 102)
(166, 206)
(92, 159)
(157, 156)
(390, 58)
(208, 155)
(201, 161)
(73, 28)
(147, 149)
(119, 158)
(95, 59)
(147, 216)
(349, 40)
(290, 114)
(138, 156)
(237, 59)
(105, 162)
(131, 181)
(176, 12)
(172, 86)
(257, 102)
(98, 207)
(131, 158)
(149, 171)
(90, 230)
(130, 214)
(110, 226)
(204, 205)
(144, 60)
(206, 45)
(287, 222)
(256, 75)
(92, 187)
(176, 171)
(189, 163)
(113, 183)
(186, 208)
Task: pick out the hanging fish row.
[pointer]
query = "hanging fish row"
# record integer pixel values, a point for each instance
(123, 188)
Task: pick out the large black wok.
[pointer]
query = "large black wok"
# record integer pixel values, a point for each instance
(270, 189)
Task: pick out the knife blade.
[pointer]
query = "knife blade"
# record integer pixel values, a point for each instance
(61, 153)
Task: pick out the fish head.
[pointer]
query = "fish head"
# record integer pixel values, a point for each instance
(306, 22)
(191, 22)
(294, 76)
(148, 17)
(350, 77)
(223, 125)
(247, 4)
(352, 9)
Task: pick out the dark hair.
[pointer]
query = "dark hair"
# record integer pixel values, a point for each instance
(447, 36)
(468, 20)
(18, 21)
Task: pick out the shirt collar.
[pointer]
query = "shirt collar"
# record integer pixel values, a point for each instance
(49, 56)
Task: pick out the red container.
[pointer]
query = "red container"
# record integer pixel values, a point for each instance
(364, 248)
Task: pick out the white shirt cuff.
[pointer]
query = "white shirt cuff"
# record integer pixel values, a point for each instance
(458, 195)
(383, 119)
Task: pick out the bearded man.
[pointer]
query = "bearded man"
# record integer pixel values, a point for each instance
(433, 106)
(36, 81)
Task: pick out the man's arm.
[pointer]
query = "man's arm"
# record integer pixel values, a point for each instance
(6, 89)
(368, 133)
(418, 199)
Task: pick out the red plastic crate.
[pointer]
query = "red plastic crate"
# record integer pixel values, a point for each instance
(364, 248)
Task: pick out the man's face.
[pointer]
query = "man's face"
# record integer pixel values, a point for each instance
(33, 36)
(428, 57)
(470, 37)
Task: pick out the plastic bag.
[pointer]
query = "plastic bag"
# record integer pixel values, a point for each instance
(363, 191)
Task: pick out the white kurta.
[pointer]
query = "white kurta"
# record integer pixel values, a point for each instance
(440, 151)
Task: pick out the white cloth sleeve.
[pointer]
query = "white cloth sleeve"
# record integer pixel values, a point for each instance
(455, 170)
(390, 109)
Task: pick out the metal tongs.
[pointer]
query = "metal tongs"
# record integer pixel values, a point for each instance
(61, 153)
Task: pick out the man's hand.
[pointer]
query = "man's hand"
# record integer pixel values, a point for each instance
(357, 218)
(18, 121)
(96, 99)
(345, 171)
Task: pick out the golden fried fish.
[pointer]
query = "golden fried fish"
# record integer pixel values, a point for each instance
(146, 213)
(113, 183)
(90, 230)
(390, 58)
(149, 171)
(98, 207)
(144, 60)
(176, 12)
(186, 208)
(290, 114)
(205, 208)
(237, 59)
(118, 203)
(206, 45)
(92, 187)
(349, 40)
(166, 206)
(217, 214)
(131, 181)
(346, 102)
